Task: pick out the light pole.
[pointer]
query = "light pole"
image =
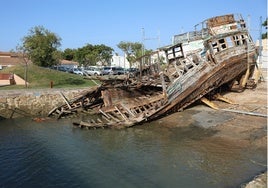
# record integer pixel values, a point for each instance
(143, 41)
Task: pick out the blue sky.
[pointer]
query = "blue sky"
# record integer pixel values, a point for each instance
(108, 22)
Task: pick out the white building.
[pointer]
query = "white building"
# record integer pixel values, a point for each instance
(120, 61)
(263, 57)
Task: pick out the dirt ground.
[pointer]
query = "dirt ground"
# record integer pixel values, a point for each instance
(241, 129)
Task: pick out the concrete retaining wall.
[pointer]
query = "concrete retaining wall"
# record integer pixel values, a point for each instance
(34, 103)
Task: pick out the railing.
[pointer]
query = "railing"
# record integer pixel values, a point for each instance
(212, 26)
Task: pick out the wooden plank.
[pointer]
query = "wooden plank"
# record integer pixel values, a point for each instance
(124, 117)
(128, 110)
(99, 120)
(64, 98)
(114, 118)
(108, 120)
(209, 103)
(222, 98)
(50, 113)
(87, 124)
(104, 114)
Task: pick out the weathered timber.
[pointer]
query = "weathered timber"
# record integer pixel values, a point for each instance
(221, 55)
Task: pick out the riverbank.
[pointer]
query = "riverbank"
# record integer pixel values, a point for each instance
(240, 130)
(35, 102)
(259, 181)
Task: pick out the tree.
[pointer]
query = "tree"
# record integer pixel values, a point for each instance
(68, 54)
(20, 51)
(42, 46)
(83, 57)
(91, 54)
(264, 24)
(104, 53)
(131, 49)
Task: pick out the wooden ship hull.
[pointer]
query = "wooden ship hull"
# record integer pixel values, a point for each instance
(222, 54)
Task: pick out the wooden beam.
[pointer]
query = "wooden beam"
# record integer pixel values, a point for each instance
(125, 118)
(66, 101)
(128, 110)
(222, 98)
(209, 103)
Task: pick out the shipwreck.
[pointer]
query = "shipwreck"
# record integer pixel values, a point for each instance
(220, 54)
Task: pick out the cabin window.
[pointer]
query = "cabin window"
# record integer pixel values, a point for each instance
(222, 44)
(236, 40)
(243, 39)
(229, 42)
(215, 47)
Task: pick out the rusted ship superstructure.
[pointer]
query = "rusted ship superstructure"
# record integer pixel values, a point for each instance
(221, 53)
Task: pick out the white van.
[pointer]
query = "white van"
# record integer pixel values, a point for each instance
(93, 71)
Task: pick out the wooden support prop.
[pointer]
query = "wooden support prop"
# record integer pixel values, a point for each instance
(209, 103)
(258, 74)
(95, 82)
(66, 101)
(245, 78)
(224, 99)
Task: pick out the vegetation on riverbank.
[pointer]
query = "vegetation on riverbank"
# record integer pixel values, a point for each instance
(39, 77)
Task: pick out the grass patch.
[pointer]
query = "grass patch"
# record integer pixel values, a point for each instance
(39, 77)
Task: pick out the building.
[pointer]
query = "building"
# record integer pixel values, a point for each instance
(68, 64)
(263, 57)
(120, 61)
(8, 59)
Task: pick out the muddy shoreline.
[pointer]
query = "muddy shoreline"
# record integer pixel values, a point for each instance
(240, 129)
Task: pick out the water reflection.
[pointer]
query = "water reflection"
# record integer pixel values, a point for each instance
(54, 153)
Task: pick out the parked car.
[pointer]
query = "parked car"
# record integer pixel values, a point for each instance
(133, 72)
(118, 71)
(106, 70)
(78, 71)
(60, 68)
(93, 71)
(113, 71)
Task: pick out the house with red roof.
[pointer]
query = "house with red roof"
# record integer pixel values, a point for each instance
(8, 59)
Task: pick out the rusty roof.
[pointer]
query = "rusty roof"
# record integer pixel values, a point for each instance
(11, 59)
(7, 61)
(67, 62)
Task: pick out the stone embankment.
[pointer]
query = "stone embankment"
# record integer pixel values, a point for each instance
(37, 102)
(258, 182)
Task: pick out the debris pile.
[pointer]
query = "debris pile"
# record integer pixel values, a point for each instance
(219, 55)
